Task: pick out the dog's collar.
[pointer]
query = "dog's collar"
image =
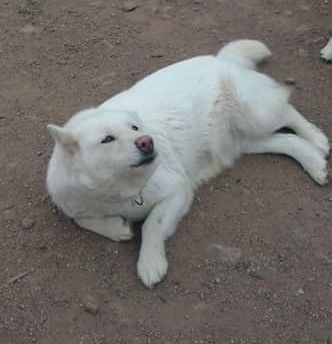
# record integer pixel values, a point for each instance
(139, 199)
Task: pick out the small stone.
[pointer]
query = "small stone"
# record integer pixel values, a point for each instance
(121, 295)
(255, 274)
(288, 13)
(202, 295)
(90, 304)
(304, 7)
(217, 280)
(129, 6)
(29, 29)
(303, 28)
(319, 39)
(290, 81)
(227, 253)
(303, 53)
(300, 291)
(28, 223)
(157, 54)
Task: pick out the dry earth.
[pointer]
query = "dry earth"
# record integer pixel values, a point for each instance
(252, 261)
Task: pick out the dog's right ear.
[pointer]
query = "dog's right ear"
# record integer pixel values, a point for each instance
(64, 138)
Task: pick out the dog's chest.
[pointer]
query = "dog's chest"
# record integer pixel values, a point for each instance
(136, 209)
(161, 186)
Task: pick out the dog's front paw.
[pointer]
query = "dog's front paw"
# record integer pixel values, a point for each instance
(151, 267)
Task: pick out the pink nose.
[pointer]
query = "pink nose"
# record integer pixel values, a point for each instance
(144, 144)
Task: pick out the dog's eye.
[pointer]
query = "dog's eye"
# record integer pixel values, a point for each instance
(134, 127)
(108, 139)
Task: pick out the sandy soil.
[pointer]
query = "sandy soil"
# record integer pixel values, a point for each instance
(252, 261)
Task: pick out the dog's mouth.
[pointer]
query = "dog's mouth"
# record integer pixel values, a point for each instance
(146, 160)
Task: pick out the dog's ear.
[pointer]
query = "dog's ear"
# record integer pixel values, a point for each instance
(64, 138)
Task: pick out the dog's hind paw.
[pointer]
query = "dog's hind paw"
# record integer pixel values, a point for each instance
(326, 52)
(151, 267)
(320, 141)
(124, 233)
(319, 171)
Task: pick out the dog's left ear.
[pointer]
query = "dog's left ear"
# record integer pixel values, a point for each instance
(64, 138)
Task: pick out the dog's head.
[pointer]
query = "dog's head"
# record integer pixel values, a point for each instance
(106, 149)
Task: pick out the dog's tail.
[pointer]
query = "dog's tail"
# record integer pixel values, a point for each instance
(246, 52)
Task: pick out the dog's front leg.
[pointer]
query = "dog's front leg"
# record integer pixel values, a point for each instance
(112, 227)
(160, 224)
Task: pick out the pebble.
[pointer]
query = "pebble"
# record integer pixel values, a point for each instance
(217, 280)
(227, 186)
(304, 7)
(28, 223)
(319, 39)
(129, 6)
(121, 295)
(303, 53)
(290, 81)
(300, 291)
(255, 274)
(90, 304)
(202, 295)
(157, 54)
(30, 29)
(227, 253)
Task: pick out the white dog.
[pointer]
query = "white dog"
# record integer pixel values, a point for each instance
(326, 52)
(141, 154)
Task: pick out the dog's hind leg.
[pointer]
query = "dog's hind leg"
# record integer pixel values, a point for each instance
(306, 130)
(113, 228)
(311, 159)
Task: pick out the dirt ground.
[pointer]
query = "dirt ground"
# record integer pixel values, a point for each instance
(252, 261)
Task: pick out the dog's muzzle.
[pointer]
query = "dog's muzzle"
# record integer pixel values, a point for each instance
(146, 159)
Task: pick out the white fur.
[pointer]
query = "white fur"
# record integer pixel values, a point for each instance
(202, 113)
(326, 52)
